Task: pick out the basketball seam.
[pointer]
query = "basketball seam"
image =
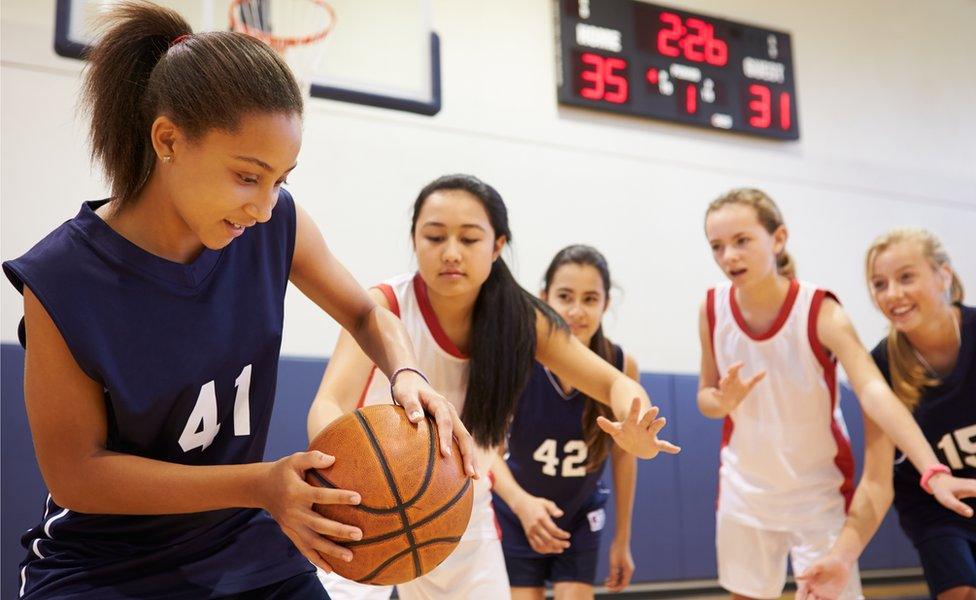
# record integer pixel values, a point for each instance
(375, 572)
(391, 482)
(444, 508)
(423, 486)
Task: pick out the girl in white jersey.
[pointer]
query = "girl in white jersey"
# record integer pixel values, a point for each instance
(786, 474)
(476, 333)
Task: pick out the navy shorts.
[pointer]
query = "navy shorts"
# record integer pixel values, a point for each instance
(948, 562)
(569, 566)
(300, 587)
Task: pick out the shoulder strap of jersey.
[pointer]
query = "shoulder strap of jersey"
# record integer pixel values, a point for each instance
(391, 298)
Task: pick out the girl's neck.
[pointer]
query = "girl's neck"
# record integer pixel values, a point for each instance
(764, 297)
(938, 339)
(151, 223)
(455, 315)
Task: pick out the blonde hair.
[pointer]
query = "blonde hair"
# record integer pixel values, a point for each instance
(769, 217)
(908, 374)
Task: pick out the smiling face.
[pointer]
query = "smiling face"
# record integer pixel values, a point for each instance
(741, 246)
(455, 243)
(224, 182)
(908, 289)
(578, 294)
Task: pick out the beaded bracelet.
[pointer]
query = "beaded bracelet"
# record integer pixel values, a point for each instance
(396, 374)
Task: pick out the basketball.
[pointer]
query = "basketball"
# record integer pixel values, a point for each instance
(415, 502)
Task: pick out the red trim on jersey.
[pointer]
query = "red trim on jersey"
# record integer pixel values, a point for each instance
(710, 313)
(784, 312)
(430, 318)
(391, 298)
(844, 459)
(362, 395)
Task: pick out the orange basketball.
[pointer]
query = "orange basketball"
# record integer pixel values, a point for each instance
(415, 502)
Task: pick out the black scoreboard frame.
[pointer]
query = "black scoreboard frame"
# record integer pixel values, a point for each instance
(621, 68)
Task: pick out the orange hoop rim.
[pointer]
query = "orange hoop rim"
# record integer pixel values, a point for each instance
(281, 43)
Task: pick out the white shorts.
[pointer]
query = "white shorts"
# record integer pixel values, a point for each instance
(752, 562)
(475, 571)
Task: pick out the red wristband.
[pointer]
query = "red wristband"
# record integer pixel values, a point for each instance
(930, 473)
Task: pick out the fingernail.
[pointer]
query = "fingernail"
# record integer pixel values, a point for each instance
(356, 535)
(355, 499)
(416, 415)
(347, 557)
(447, 450)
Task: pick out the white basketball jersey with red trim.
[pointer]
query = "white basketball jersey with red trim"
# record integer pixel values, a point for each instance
(786, 460)
(447, 369)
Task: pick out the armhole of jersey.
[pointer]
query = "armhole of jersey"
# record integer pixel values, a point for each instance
(844, 459)
(824, 357)
(710, 314)
(391, 298)
(369, 380)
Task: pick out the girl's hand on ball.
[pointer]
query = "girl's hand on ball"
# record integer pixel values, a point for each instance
(289, 500)
(415, 395)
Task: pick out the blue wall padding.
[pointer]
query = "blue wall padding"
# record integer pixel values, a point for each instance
(674, 510)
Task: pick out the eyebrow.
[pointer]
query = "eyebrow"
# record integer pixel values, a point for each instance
(261, 163)
(464, 226)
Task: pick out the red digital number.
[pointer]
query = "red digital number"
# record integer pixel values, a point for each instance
(666, 36)
(695, 39)
(691, 99)
(607, 78)
(694, 43)
(784, 110)
(760, 111)
(594, 76)
(716, 51)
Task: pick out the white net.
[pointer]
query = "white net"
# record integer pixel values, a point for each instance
(296, 29)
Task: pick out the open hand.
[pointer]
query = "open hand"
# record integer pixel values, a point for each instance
(823, 580)
(732, 389)
(638, 436)
(948, 490)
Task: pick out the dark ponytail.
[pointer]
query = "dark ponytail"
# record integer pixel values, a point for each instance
(147, 63)
(597, 443)
(503, 331)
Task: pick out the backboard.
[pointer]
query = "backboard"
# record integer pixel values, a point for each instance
(380, 53)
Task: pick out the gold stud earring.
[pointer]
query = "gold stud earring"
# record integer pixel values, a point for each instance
(167, 158)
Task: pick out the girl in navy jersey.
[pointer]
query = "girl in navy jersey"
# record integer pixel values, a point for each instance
(548, 493)
(929, 358)
(477, 333)
(153, 325)
(786, 466)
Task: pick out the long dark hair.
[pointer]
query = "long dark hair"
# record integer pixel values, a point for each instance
(597, 443)
(148, 63)
(503, 328)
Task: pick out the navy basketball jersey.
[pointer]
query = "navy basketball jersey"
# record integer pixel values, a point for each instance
(947, 416)
(547, 454)
(188, 358)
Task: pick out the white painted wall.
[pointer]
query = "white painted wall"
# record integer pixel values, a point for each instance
(885, 94)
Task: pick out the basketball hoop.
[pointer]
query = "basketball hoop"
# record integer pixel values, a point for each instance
(296, 29)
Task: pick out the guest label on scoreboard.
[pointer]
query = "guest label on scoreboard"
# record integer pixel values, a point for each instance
(642, 59)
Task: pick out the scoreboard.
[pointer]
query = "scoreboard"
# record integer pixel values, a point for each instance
(646, 60)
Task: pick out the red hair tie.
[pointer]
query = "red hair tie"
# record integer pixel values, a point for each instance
(178, 39)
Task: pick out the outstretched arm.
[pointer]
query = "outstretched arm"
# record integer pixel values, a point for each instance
(637, 424)
(882, 406)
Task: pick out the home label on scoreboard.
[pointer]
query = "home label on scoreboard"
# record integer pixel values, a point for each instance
(636, 58)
